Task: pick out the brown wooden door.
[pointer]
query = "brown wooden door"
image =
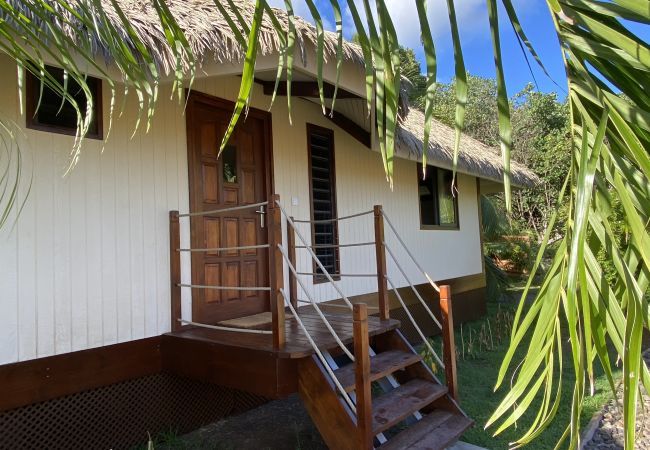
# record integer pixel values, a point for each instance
(239, 176)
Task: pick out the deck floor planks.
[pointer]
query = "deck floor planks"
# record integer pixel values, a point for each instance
(297, 344)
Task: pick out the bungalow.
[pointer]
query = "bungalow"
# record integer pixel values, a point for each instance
(157, 285)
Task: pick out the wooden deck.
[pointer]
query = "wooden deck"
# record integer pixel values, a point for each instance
(297, 345)
(248, 361)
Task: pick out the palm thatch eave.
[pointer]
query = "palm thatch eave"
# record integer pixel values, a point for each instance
(474, 157)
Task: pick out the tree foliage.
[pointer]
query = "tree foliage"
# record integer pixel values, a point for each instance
(609, 158)
(541, 136)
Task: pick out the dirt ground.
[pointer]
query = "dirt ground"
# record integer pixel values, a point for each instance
(278, 425)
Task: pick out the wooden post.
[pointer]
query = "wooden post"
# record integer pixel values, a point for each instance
(175, 269)
(291, 250)
(449, 345)
(362, 376)
(276, 277)
(380, 251)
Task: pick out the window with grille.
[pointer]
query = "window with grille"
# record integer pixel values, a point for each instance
(322, 181)
(438, 205)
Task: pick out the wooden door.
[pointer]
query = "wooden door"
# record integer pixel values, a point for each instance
(240, 176)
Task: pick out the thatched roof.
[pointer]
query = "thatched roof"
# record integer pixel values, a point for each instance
(474, 157)
(210, 36)
(208, 33)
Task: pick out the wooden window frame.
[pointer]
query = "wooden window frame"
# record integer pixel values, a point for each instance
(32, 86)
(311, 128)
(424, 227)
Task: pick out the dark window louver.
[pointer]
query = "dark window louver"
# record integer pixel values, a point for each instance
(323, 198)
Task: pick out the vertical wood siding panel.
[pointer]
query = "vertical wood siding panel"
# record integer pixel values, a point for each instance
(149, 218)
(78, 245)
(9, 247)
(93, 267)
(27, 313)
(161, 176)
(121, 136)
(136, 248)
(109, 244)
(62, 255)
(44, 276)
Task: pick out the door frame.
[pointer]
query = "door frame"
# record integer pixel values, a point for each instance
(193, 97)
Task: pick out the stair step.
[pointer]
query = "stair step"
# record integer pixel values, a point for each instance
(381, 365)
(436, 431)
(394, 406)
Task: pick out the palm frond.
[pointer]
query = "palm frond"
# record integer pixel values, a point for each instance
(607, 68)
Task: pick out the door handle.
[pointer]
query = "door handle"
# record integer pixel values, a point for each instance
(261, 212)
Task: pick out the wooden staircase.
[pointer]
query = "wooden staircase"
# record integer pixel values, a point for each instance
(399, 402)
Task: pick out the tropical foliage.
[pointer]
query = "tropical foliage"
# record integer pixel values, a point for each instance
(610, 136)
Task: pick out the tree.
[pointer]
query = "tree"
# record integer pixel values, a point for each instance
(610, 136)
(541, 140)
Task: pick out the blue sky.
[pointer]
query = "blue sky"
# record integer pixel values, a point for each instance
(475, 38)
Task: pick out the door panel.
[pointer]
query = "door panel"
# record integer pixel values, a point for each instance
(239, 176)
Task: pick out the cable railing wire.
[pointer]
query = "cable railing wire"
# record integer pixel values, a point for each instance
(313, 255)
(224, 288)
(415, 325)
(315, 305)
(223, 210)
(323, 361)
(408, 280)
(335, 219)
(360, 275)
(417, 264)
(222, 328)
(223, 249)
(358, 244)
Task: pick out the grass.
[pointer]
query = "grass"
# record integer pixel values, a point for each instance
(477, 373)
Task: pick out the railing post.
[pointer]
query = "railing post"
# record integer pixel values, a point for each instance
(449, 350)
(175, 269)
(380, 251)
(362, 376)
(276, 276)
(291, 250)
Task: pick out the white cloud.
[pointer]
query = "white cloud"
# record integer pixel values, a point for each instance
(405, 18)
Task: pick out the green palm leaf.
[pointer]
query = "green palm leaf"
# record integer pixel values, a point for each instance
(607, 67)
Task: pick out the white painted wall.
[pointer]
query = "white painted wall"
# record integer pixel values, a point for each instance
(87, 263)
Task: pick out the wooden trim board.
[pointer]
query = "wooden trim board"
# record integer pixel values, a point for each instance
(37, 380)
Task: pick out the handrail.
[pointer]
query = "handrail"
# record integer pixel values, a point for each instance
(417, 264)
(335, 219)
(225, 288)
(313, 255)
(223, 210)
(222, 328)
(362, 275)
(323, 361)
(315, 304)
(417, 294)
(415, 325)
(357, 244)
(223, 249)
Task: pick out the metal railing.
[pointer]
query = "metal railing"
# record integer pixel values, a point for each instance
(380, 242)
(176, 269)
(280, 300)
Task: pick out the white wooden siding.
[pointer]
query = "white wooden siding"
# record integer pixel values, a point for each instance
(87, 262)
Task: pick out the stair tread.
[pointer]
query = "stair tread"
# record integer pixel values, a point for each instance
(394, 406)
(381, 365)
(436, 431)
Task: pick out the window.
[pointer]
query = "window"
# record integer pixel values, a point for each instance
(320, 142)
(60, 117)
(438, 206)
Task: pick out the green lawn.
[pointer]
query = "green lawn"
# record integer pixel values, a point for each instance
(477, 373)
